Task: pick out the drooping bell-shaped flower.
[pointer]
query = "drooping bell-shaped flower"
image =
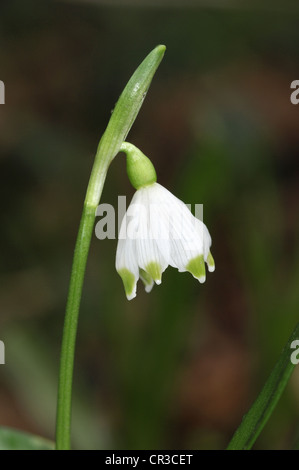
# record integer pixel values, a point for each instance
(158, 230)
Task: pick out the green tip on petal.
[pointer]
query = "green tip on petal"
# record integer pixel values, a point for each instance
(146, 279)
(154, 270)
(129, 281)
(196, 267)
(210, 262)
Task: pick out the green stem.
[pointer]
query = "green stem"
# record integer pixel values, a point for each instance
(70, 328)
(118, 127)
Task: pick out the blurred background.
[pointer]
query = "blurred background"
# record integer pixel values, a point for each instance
(178, 368)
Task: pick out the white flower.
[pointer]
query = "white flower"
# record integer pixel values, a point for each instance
(159, 230)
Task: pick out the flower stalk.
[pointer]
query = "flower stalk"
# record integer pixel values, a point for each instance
(120, 123)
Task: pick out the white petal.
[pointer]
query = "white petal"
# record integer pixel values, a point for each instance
(203, 232)
(207, 241)
(149, 256)
(126, 261)
(147, 280)
(187, 235)
(185, 241)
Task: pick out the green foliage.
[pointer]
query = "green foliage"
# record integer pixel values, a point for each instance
(12, 439)
(256, 418)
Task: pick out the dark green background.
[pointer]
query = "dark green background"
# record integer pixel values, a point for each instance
(179, 367)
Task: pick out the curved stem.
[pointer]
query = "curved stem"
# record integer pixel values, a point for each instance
(118, 127)
(70, 328)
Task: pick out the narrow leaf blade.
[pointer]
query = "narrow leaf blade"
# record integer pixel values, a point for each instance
(13, 439)
(254, 421)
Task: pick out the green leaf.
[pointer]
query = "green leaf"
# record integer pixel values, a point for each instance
(256, 418)
(12, 439)
(121, 121)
